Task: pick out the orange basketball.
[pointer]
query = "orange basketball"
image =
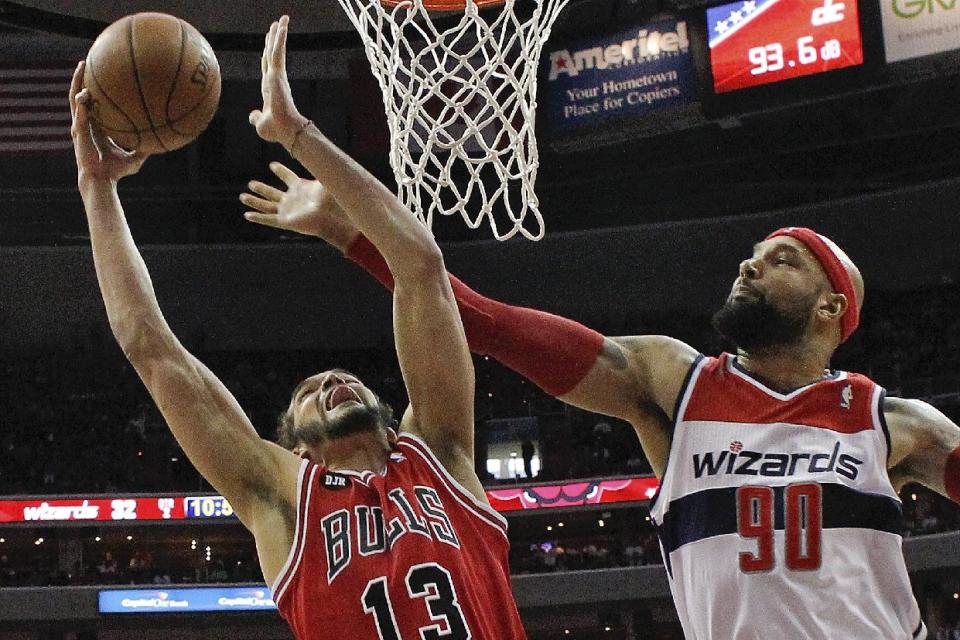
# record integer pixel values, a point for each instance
(154, 81)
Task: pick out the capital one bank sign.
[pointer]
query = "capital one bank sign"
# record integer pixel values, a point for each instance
(914, 28)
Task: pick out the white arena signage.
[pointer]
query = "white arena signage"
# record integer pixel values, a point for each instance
(914, 28)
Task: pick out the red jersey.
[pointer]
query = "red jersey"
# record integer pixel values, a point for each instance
(402, 555)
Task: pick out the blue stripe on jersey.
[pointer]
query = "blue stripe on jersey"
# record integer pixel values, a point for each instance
(920, 629)
(713, 512)
(883, 422)
(684, 388)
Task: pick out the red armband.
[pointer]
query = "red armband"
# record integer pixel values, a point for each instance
(554, 353)
(952, 475)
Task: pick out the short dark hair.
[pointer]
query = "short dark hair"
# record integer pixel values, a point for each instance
(285, 437)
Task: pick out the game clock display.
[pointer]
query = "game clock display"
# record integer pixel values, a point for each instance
(207, 507)
(757, 42)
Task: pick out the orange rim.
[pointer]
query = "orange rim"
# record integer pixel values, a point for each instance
(445, 5)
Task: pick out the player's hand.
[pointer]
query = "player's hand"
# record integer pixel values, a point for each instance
(278, 120)
(98, 158)
(305, 207)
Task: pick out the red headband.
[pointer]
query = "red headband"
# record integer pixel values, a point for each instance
(828, 255)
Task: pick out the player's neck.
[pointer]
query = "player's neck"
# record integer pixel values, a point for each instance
(361, 452)
(785, 368)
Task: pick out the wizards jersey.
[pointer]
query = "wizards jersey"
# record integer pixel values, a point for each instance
(406, 554)
(776, 515)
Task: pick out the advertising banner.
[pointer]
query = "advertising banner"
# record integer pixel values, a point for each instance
(914, 28)
(621, 74)
(573, 494)
(254, 598)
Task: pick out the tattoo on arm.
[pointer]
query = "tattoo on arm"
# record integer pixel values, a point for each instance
(615, 355)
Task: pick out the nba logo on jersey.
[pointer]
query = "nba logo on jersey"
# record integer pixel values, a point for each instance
(846, 397)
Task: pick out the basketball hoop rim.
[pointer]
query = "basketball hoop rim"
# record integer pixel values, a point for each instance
(443, 5)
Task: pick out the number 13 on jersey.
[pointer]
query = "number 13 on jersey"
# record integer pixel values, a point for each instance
(433, 584)
(802, 526)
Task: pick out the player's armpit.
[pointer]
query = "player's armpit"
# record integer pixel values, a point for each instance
(456, 459)
(638, 379)
(924, 445)
(214, 432)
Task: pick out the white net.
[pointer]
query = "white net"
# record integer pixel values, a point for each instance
(460, 96)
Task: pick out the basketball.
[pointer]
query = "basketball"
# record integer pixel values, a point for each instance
(154, 82)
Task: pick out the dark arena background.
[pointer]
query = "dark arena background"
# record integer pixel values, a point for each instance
(653, 191)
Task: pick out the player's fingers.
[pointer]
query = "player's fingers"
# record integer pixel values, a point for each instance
(80, 130)
(281, 171)
(263, 56)
(267, 45)
(255, 116)
(81, 116)
(270, 193)
(104, 144)
(261, 218)
(75, 86)
(271, 43)
(261, 205)
(280, 51)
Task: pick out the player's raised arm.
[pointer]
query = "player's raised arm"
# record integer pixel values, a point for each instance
(431, 346)
(204, 417)
(635, 378)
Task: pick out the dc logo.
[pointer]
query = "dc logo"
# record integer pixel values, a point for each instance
(846, 397)
(827, 14)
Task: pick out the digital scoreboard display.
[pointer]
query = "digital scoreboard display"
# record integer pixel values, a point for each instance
(573, 494)
(126, 509)
(757, 42)
(115, 509)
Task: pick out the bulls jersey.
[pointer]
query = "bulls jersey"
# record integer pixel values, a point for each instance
(401, 555)
(776, 515)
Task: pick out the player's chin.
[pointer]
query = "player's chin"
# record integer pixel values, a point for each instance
(350, 420)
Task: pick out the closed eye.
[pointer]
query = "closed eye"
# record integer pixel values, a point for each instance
(303, 393)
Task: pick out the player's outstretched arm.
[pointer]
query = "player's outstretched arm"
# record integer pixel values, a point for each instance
(634, 378)
(205, 418)
(431, 346)
(924, 447)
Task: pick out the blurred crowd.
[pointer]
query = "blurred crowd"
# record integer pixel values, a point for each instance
(82, 421)
(135, 566)
(585, 554)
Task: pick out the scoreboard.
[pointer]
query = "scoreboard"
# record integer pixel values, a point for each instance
(114, 509)
(126, 509)
(756, 42)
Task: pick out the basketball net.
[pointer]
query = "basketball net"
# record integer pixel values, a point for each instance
(461, 106)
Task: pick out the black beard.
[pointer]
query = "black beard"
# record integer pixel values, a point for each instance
(757, 325)
(356, 419)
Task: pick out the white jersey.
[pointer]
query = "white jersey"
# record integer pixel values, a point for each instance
(776, 516)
